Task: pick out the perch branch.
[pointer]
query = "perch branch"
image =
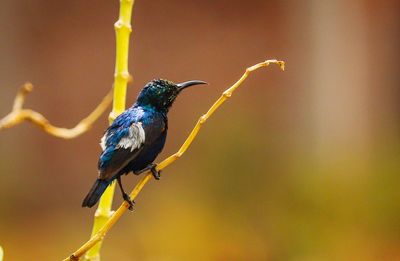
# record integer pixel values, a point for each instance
(19, 115)
(124, 206)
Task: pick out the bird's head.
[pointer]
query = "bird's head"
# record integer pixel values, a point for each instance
(160, 93)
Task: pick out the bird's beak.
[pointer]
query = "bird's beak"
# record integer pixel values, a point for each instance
(184, 85)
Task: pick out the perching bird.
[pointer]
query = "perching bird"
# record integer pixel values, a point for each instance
(136, 137)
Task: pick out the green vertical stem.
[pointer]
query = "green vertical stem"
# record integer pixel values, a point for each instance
(121, 77)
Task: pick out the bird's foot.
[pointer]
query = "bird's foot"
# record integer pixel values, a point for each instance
(156, 173)
(153, 168)
(128, 199)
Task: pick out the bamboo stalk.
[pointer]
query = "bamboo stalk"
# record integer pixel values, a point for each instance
(123, 30)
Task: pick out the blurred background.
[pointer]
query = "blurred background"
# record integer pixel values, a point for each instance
(297, 165)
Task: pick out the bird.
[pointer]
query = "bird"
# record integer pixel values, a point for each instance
(135, 138)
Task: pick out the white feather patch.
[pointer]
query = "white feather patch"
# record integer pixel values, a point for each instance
(135, 138)
(103, 142)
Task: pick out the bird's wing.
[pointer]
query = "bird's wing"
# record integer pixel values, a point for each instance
(120, 145)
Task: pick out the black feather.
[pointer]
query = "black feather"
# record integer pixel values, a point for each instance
(95, 193)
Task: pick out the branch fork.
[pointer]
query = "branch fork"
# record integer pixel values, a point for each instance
(19, 115)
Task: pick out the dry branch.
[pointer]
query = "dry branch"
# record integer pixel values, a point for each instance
(124, 206)
(19, 115)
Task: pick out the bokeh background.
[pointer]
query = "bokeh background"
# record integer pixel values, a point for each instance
(300, 165)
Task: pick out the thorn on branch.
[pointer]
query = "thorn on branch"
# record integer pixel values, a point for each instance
(73, 258)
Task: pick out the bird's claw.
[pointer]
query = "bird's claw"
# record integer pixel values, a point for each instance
(153, 168)
(128, 199)
(156, 173)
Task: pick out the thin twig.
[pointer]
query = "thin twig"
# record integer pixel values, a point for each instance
(19, 115)
(124, 206)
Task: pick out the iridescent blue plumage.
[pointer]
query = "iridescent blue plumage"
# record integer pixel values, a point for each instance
(136, 137)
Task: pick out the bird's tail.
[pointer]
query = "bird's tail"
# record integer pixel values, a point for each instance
(95, 193)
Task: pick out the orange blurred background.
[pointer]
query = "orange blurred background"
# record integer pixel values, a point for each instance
(300, 165)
